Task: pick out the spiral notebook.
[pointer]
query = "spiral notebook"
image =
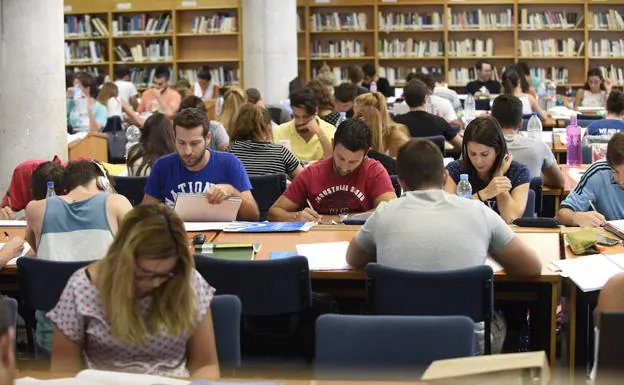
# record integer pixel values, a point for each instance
(195, 208)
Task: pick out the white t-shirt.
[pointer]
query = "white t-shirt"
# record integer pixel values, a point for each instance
(444, 108)
(126, 90)
(205, 96)
(113, 107)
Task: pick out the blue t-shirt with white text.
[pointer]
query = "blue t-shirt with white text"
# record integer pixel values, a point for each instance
(605, 127)
(169, 176)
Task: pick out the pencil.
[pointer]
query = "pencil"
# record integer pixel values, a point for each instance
(592, 206)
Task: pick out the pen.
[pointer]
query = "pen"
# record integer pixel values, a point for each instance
(308, 203)
(592, 206)
(6, 234)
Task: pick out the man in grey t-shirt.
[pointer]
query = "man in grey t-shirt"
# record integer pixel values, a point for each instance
(531, 152)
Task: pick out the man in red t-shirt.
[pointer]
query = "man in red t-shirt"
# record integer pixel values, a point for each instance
(346, 182)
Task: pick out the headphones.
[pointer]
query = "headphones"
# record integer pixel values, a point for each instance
(102, 182)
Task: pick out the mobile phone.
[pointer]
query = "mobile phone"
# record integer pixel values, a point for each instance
(607, 241)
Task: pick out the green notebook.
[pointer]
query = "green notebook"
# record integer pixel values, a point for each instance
(234, 251)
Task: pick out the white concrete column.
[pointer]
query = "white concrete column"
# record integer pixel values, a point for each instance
(270, 46)
(32, 83)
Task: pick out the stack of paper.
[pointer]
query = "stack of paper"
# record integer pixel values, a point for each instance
(5, 223)
(325, 256)
(591, 272)
(205, 226)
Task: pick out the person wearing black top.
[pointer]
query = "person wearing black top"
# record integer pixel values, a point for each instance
(370, 75)
(421, 123)
(483, 83)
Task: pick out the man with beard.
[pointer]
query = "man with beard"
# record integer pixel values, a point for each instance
(307, 136)
(195, 169)
(346, 182)
(161, 97)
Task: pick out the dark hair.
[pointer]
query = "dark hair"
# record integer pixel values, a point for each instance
(161, 72)
(437, 77)
(425, 78)
(190, 118)
(6, 318)
(507, 109)
(253, 95)
(415, 93)
(295, 84)
(204, 74)
(44, 173)
(306, 99)
(410, 76)
(80, 173)
(356, 74)
(420, 164)
(122, 71)
(87, 81)
(615, 150)
(322, 94)
(484, 130)
(615, 102)
(369, 69)
(510, 80)
(523, 70)
(346, 92)
(480, 64)
(69, 78)
(595, 72)
(156, 140)
(354, 135)
(193, 102)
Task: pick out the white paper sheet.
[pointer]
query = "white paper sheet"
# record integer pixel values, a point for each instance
(4, 223)
(114, 378)
(325, 256)
(589, 273)
(618, 259)
(205, 226)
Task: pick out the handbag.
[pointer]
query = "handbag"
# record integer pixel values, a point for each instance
(116, 140)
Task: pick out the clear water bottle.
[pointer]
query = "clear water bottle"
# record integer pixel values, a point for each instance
(534, 127)
(133, 134)
(469, 108)
(552, 95)
(50, 191)
(464, 189)
(573, 134)
(373, 86)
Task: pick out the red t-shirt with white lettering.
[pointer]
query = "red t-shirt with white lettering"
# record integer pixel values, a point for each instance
(331, 194)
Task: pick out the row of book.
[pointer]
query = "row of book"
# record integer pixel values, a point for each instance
(550, 20)
(142, 76)
(396, 75)
(460, 76)
(336, 21)
(338, 49)
(142, 24)
(389, 48)
(471, 47)
(217, 23)
(84, 51)
(145, 51)
(613, 73)
(401, 21)
(478, 18)
(94, 71)
(605, 20)
(550, 48)
(220, 75)
(84, 26)
(557, 74)
(606, 48)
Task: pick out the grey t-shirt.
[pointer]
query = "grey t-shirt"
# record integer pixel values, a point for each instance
(530, 152)
(220, 137)
(433, 230)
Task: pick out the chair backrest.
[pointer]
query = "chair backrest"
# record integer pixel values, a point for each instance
(42, 282)
(266, 189)
(537, 186)
(438, 140)
(132, 187)
(610, 346)
(385, 160)
(529, 210)
(389, 347)
(226, 319)
(271, 287)
(396, 184)
(275, 114)
(467, 292)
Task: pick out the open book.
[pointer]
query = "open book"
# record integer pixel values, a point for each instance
(590, 273)
(195, 208)
(615, 228)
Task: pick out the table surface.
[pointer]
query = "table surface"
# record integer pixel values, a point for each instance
(569, 183)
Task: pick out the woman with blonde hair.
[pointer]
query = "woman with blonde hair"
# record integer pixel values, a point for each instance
(109, 96)
(390, 135)
(233, 100)
(143, 308)
(326, 106)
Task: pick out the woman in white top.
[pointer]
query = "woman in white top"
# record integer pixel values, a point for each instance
(512, 86)
(109, 97)
(204, 88)
(595, 91)
(156, 140)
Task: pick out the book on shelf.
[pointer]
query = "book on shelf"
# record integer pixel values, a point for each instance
(480, 19)
(93, 70)
(471, 47)
(85, 26)
(550, 47)
(460, 76)
(220, 75)
(159, 50)
(217, 23)
(606, 48)
(341, 74)
(397, 75)
(336, 21)
(141, 24)
(84, 51)
(613, 73)
(142, 76)
(550, 20)
(402, 48)
(400, 21)
(337, 49)
(557, 74)
(612, 19)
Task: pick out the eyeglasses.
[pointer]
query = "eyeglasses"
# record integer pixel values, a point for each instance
(142, 275)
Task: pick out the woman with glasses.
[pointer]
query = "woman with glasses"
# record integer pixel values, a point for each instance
(143, 308)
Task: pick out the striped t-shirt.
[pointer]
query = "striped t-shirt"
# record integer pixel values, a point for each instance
(264, 158)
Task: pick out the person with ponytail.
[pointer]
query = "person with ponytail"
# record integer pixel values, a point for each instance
(512, 85)
(388, 136)
(595, 91)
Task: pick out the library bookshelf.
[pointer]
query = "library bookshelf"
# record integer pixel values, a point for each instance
(183, 35)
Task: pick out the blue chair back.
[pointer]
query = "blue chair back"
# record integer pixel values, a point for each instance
(266, 189)
(226, 318)
(467, 292)
(357, 347)
(132, 187)
(529, 210)
(397, 186)
(438, 140)
(611, 347)
(537, 186)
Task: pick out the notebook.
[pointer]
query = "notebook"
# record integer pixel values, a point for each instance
(590, 273)
(615, 228)
(325, 256)
(101, 377)
(232, 251)
(268, 227)
(195, 208)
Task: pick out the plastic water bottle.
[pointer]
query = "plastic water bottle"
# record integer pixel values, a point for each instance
(552, 95)
(373, 86)
(469, 108)
(133, 133)
(50, 192)
(534, 127)
(464, 189)
(573, 134)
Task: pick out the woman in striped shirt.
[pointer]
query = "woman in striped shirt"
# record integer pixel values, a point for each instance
(251, 143)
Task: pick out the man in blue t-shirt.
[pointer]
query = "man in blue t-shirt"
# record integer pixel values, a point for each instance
(613, 122)
(194, 169)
